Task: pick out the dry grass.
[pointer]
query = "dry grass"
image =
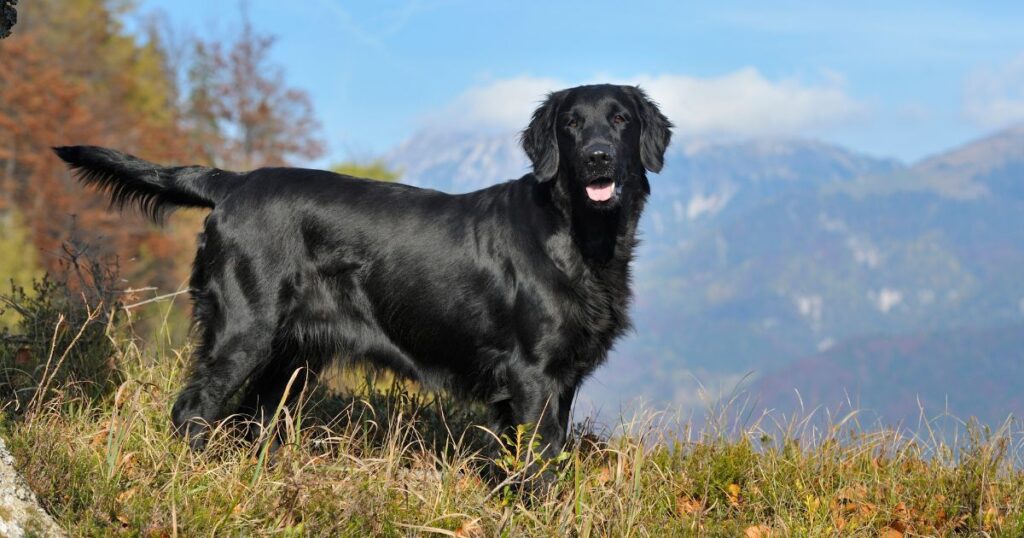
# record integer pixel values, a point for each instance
(397, 463)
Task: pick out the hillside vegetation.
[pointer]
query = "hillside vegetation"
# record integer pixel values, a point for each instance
(88, 422)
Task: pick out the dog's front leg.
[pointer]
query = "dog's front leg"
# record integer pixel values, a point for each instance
(542, 404)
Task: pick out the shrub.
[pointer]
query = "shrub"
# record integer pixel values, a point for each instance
(60, 340)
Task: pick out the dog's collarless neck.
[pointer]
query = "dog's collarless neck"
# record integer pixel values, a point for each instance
(604, 237)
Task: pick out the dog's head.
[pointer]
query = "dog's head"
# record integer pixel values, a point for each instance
(600, 139)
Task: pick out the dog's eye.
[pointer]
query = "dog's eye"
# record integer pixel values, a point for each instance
(618, 119)
(572, 123)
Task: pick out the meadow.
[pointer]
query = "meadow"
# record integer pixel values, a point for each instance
(89, 389)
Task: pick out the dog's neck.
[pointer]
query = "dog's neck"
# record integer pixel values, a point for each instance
(605, 237)
(598, 233)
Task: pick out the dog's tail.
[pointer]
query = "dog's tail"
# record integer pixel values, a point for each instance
(156, 190)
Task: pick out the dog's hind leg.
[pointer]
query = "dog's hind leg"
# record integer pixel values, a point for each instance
(213, 380)
(273, 386)
(309, 333)
(234, 342)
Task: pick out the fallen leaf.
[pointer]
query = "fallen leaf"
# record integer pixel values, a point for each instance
(100, 437)
(470, 529)
(688, 506)
(126, 495)
(890, 532)
(758, 531)
(733, 492)
(852, 493)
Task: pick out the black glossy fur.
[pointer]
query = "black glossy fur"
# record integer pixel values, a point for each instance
(512, 294)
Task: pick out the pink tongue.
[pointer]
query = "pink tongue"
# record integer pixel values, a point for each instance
(601, 193)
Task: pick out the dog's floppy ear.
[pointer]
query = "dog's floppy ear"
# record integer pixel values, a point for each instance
(655, 130)
(539, 138)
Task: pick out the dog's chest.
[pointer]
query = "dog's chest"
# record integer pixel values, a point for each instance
(594, 316)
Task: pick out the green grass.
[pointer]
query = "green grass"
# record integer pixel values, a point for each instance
(396, 462)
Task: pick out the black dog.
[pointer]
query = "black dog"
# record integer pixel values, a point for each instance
(511, 295)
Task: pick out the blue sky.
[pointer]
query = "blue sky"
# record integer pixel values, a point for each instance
(903, 79)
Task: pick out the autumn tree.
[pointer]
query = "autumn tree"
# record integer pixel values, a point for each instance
(240, 111)
(71, 74)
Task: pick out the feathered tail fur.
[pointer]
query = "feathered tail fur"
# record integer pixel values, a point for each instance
(156, 190)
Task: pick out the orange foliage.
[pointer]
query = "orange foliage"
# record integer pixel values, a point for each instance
(44, 103)
(240, 110)
(70, 75)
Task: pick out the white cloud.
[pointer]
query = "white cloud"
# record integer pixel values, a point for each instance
(741, 103)
(502, 104)
(745, 103)
(995, 97)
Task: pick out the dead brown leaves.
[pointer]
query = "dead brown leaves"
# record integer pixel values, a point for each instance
(470, 528)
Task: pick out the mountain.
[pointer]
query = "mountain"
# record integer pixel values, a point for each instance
(459, 161)
(989, 166)
(901, 377)
(757, 254)
(705, 179)
(937, 246)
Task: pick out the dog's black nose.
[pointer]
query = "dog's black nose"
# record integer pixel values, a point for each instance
(599, 154)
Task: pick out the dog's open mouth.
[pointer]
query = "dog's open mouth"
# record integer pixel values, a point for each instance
(601, 189)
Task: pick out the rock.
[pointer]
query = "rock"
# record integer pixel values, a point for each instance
(20, 513)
